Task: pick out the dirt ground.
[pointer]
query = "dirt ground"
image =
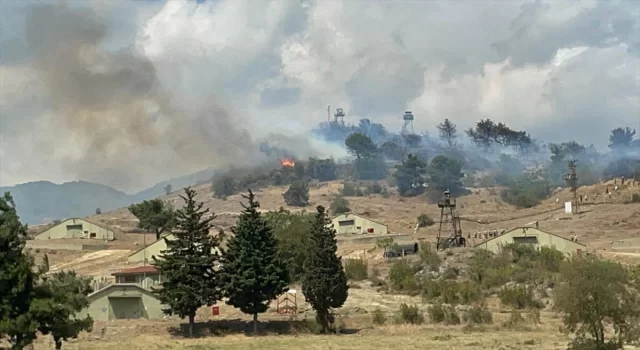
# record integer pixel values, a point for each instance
(602, 220)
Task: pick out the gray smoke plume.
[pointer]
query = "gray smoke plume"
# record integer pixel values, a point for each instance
(113, 103)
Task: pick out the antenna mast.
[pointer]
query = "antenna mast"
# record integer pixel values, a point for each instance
(449, 214)
(329, 113)
(572, 181)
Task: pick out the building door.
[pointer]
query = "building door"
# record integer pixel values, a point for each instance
(126, 308)
(74, 231)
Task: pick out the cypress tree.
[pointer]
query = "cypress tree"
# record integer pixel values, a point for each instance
(189, 264)
(324, 282)
(254, 273)
(17, 278)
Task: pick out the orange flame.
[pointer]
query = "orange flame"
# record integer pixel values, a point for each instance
(287, 162)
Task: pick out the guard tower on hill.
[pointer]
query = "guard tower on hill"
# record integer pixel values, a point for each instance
(338, 117)
(407, 125)
(449, 217)
(572, 181)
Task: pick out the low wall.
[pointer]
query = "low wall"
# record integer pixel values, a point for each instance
(360, 239)
(63, 246)
(626, 245)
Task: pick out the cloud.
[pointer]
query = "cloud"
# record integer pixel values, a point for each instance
(561, 70)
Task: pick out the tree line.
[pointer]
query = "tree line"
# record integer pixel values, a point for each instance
(253, 266)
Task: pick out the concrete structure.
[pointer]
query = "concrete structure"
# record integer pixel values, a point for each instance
(373, 239)
(147, 253)
(535, 237)
(62, 245)
(143, 276)
(123, 301)
(153, 249)
(354, 224)
(77, 228)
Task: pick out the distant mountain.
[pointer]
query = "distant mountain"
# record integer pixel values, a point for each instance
(43, 201)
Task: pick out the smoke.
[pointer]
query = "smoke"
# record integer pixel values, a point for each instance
(113, 110)
(202, 84)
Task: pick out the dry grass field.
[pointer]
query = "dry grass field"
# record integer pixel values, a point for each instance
(603, 219)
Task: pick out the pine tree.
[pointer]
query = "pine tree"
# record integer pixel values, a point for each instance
(324, 282)
(59, 297)
(189, 264)
(253, 271)
(17, 278)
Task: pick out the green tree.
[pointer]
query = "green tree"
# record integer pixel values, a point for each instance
(322, 169)
(361, 145)
(297, 195)
(154, 215)
(189, 264)
(253, 271)
(291, 231)
(17, 278)
(339, 205)
(596, 293)
(98, 211)
(59, 298)
(448, 132)
(621, 138)
(167, 189)
(223, 187)
(445, 173)
(392, 151)
(324, 282)
(369, 164)
(410, 176)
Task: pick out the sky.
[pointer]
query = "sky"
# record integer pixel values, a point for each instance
(130, 93)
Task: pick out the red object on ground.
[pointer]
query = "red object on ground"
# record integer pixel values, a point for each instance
(215, 310)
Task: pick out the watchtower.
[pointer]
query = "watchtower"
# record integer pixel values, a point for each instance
(407, 125)
(572, 181)
(449, 215)
(338, 117)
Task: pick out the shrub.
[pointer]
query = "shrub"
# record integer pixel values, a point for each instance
(223, 187)
(524, 192)
(519, 297)
(409, 314)
(98, 211)
(374, 188)
(339, 205)
(297, 194)
(439, 313)
(425, 220)
(478, 314)
(385, 243)
(356, 269)
(350, 189)
(635, 198)
(379, 318)
(401, 276)
(429, 256)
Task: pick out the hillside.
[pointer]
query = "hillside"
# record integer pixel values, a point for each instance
(603, 217)
(43, 201)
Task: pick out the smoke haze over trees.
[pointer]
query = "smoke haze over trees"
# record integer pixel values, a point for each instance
(529, 65)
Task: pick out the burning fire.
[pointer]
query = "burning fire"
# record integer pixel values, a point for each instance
(287, 162)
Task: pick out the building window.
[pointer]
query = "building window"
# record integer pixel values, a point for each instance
(74, 227)
(525, 240)
(346, 223)
(128, 279)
